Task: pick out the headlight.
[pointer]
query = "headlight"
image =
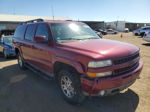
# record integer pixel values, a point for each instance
(102, 74)
(98, 64)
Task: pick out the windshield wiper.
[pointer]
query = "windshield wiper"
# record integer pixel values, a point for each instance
(90, 38)
(78, 38)
(71, 39)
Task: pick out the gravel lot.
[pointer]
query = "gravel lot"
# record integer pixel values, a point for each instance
(25, 91)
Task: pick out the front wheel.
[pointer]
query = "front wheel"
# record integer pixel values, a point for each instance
(69, 84)
(5, 54)
(142, 34)
(21, 62)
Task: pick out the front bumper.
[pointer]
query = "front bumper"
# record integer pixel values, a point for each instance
(11, 52)
(95, 86)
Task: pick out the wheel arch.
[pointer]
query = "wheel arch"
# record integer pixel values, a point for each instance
(17, 51)
(68, 64)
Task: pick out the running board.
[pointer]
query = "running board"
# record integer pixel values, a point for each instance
(39, 72)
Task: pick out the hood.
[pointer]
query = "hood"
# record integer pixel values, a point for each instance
(100, 48)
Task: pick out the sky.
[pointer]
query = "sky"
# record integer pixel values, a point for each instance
(86, 10)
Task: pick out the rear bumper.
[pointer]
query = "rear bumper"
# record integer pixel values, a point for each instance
(94, 87)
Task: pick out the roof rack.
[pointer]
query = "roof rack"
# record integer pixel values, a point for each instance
(33, 21)
(36, 21)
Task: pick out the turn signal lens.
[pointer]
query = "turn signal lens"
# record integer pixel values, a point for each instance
(102, 74)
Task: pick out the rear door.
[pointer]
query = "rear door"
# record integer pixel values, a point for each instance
(43, 51)
(19, 38)
(27, 44)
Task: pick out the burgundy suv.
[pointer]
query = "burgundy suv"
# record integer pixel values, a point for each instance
(82, 63)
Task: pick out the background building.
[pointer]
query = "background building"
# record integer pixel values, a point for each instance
(8, 23)
(117, 25)
(95, 24)
(121, 25)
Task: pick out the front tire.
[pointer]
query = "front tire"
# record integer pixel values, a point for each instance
(21, 62)
(5, 54)
(69, 84)
(142, 34)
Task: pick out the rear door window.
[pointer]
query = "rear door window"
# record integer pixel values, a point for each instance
(30, 32)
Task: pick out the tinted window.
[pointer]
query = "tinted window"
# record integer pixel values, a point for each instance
(148, 28)
(42, 31)
(30, 32)
(19, 32)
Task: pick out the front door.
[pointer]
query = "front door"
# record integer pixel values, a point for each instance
(43, 51)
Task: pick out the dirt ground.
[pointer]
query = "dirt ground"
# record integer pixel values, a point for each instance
(25, 91)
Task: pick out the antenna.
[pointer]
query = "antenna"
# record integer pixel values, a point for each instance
(52, 11)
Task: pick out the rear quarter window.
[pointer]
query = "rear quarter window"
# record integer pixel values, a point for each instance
(20, 31)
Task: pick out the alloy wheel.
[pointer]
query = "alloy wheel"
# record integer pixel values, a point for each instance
(66, 86)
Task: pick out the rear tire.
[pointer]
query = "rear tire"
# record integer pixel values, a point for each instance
(69, 84)
(21, 62)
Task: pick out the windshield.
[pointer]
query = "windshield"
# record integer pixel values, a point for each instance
(64, 32)
(7, 40)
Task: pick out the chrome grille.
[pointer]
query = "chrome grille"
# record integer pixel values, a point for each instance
(126, 59)
(127, 69)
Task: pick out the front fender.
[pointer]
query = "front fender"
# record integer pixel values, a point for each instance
(70, 62)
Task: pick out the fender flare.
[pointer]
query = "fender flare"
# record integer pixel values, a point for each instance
(19, 50)
(70, 62)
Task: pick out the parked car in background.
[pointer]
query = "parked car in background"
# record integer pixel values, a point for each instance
(126, 30)
(111, 31)
(81, 63)
(144, 30)
(137, 32)
(146, 37)
(141, 31)
(6, 46)
(103, 32)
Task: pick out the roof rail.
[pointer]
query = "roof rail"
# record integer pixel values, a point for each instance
(33, 21)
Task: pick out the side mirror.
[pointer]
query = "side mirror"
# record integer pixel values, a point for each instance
(40, 39)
